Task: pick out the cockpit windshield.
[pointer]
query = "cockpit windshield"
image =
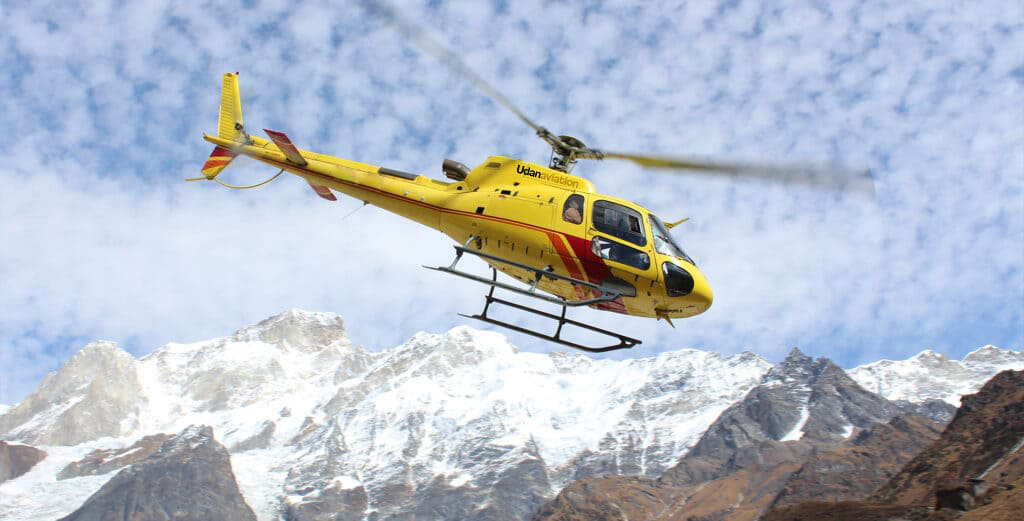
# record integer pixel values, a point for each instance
(664, 243)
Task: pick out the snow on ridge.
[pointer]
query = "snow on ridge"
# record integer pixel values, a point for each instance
(932, 375)
(848, 431)
(797, 431)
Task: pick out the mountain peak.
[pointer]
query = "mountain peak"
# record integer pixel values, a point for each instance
(301, 329)
(796, 354)
(796, 367)
(105, 349)
(87, 398)
(991, 354)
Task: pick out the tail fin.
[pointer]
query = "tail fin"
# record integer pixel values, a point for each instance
(229, 126)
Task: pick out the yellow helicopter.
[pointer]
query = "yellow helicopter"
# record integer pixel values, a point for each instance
(551, 230)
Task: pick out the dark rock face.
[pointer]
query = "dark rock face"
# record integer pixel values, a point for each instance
(16, 460)
(989, 424)
(335, 504)
(938, 411)
(856, 469)
(787, 440)
(816, 392)
(614, 498)
(260, 440)
(104, 461)
(188, 479)
(853, 511)
(983, 441)
(518, 493)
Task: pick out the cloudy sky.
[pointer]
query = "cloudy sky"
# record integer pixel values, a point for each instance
(103, 107)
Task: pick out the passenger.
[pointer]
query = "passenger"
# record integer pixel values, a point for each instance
(572, 211)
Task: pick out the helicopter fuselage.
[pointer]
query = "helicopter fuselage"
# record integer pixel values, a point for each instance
(523, 212)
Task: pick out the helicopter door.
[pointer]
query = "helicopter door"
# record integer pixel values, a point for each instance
(617, 234)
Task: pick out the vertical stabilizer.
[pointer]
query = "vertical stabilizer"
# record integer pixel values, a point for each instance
(229, 126)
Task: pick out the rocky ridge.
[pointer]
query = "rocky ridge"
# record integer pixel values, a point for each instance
(105, 461)
(188, 479)
(988, 426)
(16, 459)
(797, 426)
(933, 376)
(974, 471)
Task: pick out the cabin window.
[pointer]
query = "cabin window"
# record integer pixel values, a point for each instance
(619, 221)
(618, 252)
(573, 210)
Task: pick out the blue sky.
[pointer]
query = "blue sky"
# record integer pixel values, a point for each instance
(104, 106)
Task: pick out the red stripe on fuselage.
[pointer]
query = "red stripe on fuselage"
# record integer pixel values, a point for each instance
(594, 266)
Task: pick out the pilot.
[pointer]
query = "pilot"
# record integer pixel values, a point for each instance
(572, 211)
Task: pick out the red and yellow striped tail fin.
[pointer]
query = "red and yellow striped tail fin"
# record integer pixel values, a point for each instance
(217, 162)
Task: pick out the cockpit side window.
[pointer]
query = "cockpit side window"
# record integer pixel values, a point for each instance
(664, 243)
(619, 221)
(573, 210)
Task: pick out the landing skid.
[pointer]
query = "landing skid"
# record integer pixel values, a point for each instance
(603, 295)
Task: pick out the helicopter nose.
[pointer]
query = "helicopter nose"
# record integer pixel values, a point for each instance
(701, 295)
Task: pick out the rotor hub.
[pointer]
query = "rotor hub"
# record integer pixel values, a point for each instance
(564, 152)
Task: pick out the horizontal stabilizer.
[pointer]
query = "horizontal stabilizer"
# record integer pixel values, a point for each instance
(324, 192)
(286, 146)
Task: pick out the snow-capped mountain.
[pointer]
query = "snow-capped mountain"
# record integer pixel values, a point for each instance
(798, 399)
(931, 375)
(450, 426)
(447, 426)
(785, 438)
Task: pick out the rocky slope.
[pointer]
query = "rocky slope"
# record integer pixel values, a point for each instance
(855, 469)
(988, 427)
(795, 429)
(16, 459)
(99, 462)
(983, 441)
(188, 479)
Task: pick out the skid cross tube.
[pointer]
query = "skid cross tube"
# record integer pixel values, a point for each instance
(605, 295)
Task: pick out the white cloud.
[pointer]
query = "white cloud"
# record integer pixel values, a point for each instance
(101, 239)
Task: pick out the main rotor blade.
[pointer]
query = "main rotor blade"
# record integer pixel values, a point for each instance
(429, 45)
(810, 175)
